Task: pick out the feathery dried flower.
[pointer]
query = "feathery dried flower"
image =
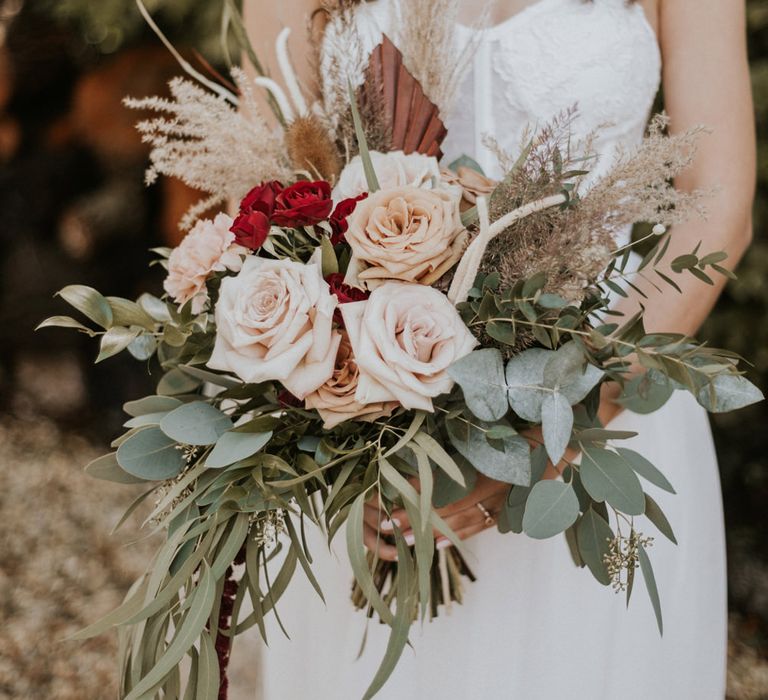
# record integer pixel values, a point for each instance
(343, 61)
(426, 36)
(210, 145)
(574, 245)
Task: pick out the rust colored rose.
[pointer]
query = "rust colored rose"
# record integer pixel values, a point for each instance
(335, 400)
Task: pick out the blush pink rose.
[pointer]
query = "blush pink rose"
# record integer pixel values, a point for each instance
(405, 336)
(274, 321)
(209, 247)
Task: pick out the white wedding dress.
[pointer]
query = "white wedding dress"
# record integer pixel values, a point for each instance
(533, 626)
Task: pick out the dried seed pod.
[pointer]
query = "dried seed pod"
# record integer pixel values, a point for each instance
(311, 148)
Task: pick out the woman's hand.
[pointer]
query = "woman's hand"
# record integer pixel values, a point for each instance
(477, 511)
(472, 514)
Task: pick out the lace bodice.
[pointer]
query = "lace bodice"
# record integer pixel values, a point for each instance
(601, 56)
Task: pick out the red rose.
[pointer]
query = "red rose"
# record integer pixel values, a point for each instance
(262, 198)
(251, 229)
(251, 226)
(287, 400)
(303, 204)
(339, 217)
(344, 293)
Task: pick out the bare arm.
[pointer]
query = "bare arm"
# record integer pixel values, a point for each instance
(706, 82)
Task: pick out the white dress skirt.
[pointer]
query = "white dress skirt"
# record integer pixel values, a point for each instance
(533, 626)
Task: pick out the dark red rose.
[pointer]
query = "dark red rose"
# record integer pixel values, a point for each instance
(303, 204)
(339, 217)
(286, 399)
(344, 293)
(251, 229)
(262, 198)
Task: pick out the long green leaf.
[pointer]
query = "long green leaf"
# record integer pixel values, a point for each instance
(440, 457)
(188, 632)
(401, 624)
(359, 562)
(303, 560)
(362, 143)
(650, 585)
(207, 670)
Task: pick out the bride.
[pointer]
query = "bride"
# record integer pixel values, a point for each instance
(533, 626)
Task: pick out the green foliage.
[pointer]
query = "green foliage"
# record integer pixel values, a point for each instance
(114, 24)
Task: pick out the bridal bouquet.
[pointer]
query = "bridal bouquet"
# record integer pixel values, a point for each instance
(371, 323)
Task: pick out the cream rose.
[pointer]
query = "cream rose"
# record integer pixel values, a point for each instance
(274, 322)
(404, 337)
(335, 400)
(405, 233)
(393, 169)
(209, 247)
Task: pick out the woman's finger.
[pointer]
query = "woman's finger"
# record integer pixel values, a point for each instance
(374, 541)
(398, 518)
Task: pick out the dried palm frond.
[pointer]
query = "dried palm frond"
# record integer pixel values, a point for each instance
(411, 119)
(210, 144)
(310, 148)
(573, 245)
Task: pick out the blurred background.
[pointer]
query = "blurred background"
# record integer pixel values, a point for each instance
(74, 209)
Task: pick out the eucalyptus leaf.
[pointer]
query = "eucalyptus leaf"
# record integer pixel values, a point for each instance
(107, 468)
(175, 382)
(607, 477)
(729, 392)
(511, 465)
(557, 424)
(525, 382)
(196, 423)
(642, 395)
(650, 585)
(151, 404)
(150, 454)
(645, 469)
(481, 377)
(551, 508)
(593, 535)
(655, 514)
(232, 447)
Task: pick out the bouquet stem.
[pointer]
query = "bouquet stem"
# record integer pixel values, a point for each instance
(446, 584)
